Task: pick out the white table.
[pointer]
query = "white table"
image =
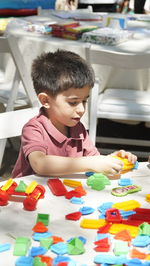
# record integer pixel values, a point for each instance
(32, 44)
(15, 221)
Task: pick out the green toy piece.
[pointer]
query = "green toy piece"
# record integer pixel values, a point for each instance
(46, 242)
(98, 181)
(123, 191)
(37, 262)
(144, 229)
(21, 187)
(42, 217)
(121, 248)
(22, 245)
(75, 246)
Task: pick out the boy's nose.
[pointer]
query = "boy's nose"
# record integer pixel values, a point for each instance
(81, 108)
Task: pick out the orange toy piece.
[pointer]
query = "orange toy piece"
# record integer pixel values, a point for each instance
(46, 259)
(57, 239)
(137, 254)
(81, 190)
(123, 235)
(40, 228)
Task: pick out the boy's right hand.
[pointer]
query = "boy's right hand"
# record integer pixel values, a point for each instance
(107, 165)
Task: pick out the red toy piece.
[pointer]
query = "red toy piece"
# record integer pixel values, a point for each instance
(57, 187)
(103, 245)
(73, 216)
(113, 215)
(30, 200)
(104, 229)
(141, 214)
(73, 193)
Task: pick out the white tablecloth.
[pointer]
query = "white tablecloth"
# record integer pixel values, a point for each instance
(32, 44)
(15, 221)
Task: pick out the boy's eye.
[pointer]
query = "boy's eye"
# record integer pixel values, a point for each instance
(73, 103)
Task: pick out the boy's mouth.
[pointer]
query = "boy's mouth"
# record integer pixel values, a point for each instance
(76, 119)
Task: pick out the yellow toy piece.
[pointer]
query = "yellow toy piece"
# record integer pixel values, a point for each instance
(7, 185)
(116, 228)
(148, 197)
(127, 166)
(147, 257)
(127, 205)
(31, 187)
(92, 223)
(72, 183)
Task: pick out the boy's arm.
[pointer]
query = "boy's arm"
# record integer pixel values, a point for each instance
(52, 165)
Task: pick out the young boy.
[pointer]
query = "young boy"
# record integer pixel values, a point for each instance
(55, 142)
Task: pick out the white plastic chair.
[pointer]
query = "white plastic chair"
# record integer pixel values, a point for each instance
(118, 103)
(8, 44)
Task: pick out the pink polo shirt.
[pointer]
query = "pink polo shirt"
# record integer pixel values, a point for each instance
(39, 134)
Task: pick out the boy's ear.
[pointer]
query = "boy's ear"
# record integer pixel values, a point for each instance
(44, 99)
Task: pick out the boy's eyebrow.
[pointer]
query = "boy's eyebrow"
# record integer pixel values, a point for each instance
(76, 97)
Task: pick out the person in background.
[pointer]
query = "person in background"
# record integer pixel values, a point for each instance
(55, 142)
(66, 4)
(139, 6)
(147, 7)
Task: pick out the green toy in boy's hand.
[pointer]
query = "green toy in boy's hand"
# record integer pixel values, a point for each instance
(123, 191)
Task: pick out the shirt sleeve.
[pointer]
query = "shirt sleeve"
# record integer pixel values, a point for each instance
(32, 139)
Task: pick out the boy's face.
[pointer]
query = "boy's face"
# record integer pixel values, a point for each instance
(67, 108)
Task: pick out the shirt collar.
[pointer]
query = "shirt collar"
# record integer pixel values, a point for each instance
(76, 132)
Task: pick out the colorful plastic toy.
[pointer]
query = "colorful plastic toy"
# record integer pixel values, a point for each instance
(127, 166)
(22, 245)
(142, 214)
(72, 183)
(125, 181)
(75, 246)
(73, 216)
(123, 191)
(113, 215)
(57, 187)
(29, 195)
(116, 228)
(43, 217)
(92, 223)
(98, 181)
(127, 205)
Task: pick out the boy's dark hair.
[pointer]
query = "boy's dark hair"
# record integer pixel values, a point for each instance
(60, 71)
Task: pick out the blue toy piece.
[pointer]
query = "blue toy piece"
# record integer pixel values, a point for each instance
(24, 261)
(59, 248)
(89, 173)
(141, 241)
(109, 259)
(134, 262)
(126, 214)
(86, 210)
(107, 205)
(63, 259)
(35, 251)
(4, 247)
(38, 236)
(102, 236)
(125, 181)
(76, 200)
